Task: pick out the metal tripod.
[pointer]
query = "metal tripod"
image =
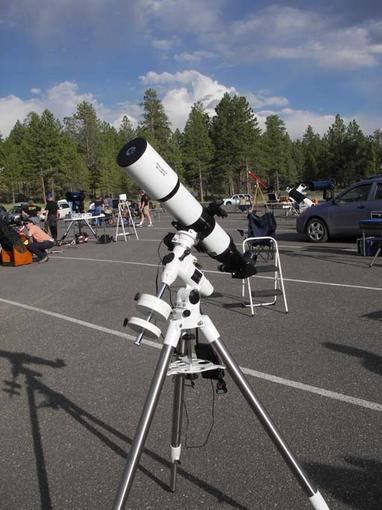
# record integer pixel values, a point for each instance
(186, 315)
(123, 206)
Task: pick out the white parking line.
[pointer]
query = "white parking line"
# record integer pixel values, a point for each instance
(374, 406)
(293, 280)
(281, 246)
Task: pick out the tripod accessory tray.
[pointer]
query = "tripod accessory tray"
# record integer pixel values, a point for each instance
(185, 366)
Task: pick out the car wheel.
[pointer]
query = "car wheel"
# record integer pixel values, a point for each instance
(228, 203)
(317, 231)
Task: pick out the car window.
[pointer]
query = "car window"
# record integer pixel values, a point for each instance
(63, 206)
(378, 193)
(357, 194)
(234, 196)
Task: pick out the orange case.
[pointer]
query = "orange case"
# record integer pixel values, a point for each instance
(16, 257)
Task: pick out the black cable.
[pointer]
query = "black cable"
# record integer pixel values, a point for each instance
(188, 446)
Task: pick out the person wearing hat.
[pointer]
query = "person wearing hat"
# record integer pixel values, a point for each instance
(39, 241)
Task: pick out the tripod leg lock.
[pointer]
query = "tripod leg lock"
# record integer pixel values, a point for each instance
(175, 453)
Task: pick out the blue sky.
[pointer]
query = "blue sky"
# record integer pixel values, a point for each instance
(304, 60)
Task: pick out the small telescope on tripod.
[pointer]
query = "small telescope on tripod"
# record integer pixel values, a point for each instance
(196, 228)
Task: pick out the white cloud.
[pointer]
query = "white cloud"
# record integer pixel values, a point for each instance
(286, 33)
(194, 57)
(163, 44)
(184, 16)
(194, 86)
(179, 91)
(35, 91)
(296, 121)
(274, 32)
(260, 100)
(61, 99)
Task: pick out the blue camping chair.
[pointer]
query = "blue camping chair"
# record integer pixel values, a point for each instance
(262, 226)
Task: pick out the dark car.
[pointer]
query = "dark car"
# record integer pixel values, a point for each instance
(340, 216)
(14, 214)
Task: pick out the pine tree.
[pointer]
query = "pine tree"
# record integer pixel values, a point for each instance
(84, 126)
(126, 131)
(359, 153)
(376, 140)
(75, 175)
(312, 149)
(108, 147)
(197, 148)
(11, 161)
(335, 152)
(235, 134)
(155, 125)
(277, 152)
(42, 151)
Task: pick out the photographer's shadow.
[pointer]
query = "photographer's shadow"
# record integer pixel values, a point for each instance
(57, 401)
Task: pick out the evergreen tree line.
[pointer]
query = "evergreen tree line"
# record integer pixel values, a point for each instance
(212, 155)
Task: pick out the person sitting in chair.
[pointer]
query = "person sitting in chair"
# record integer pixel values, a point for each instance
(39, 242)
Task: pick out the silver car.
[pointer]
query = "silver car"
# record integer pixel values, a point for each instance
(235, 199)
(340, 216)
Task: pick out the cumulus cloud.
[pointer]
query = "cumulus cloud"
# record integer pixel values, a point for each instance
(260, 100)
(62, 100)
(181, 90)
(178, 92)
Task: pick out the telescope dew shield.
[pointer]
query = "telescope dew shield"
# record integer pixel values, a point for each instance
(141, 161)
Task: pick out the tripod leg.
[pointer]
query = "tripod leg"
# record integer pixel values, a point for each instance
(176, 428)
(237, 375)
(177, 420)
(144, 426)
(67, 230)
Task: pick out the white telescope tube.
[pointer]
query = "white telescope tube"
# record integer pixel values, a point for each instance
(158, 179)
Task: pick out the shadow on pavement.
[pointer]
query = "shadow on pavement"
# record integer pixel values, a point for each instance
(358, 485)
(370, 361)
(57, 401)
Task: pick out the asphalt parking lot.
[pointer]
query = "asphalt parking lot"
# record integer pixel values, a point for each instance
(73, 384)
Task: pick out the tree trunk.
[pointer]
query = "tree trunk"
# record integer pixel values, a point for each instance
(52, 188)
(42, 185)
(247, 177)
(201, 185)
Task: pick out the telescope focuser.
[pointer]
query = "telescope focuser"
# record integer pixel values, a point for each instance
(215, 209)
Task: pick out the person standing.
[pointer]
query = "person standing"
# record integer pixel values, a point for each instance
(51, 209)
(39, 242)
(98, 209)
(144, 209)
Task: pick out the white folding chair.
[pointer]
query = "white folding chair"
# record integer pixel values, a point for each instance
(275, 268)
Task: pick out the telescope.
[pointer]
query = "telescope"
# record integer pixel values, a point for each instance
(196, 226)
(141, 161)
(320, 185)
(76, 199)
